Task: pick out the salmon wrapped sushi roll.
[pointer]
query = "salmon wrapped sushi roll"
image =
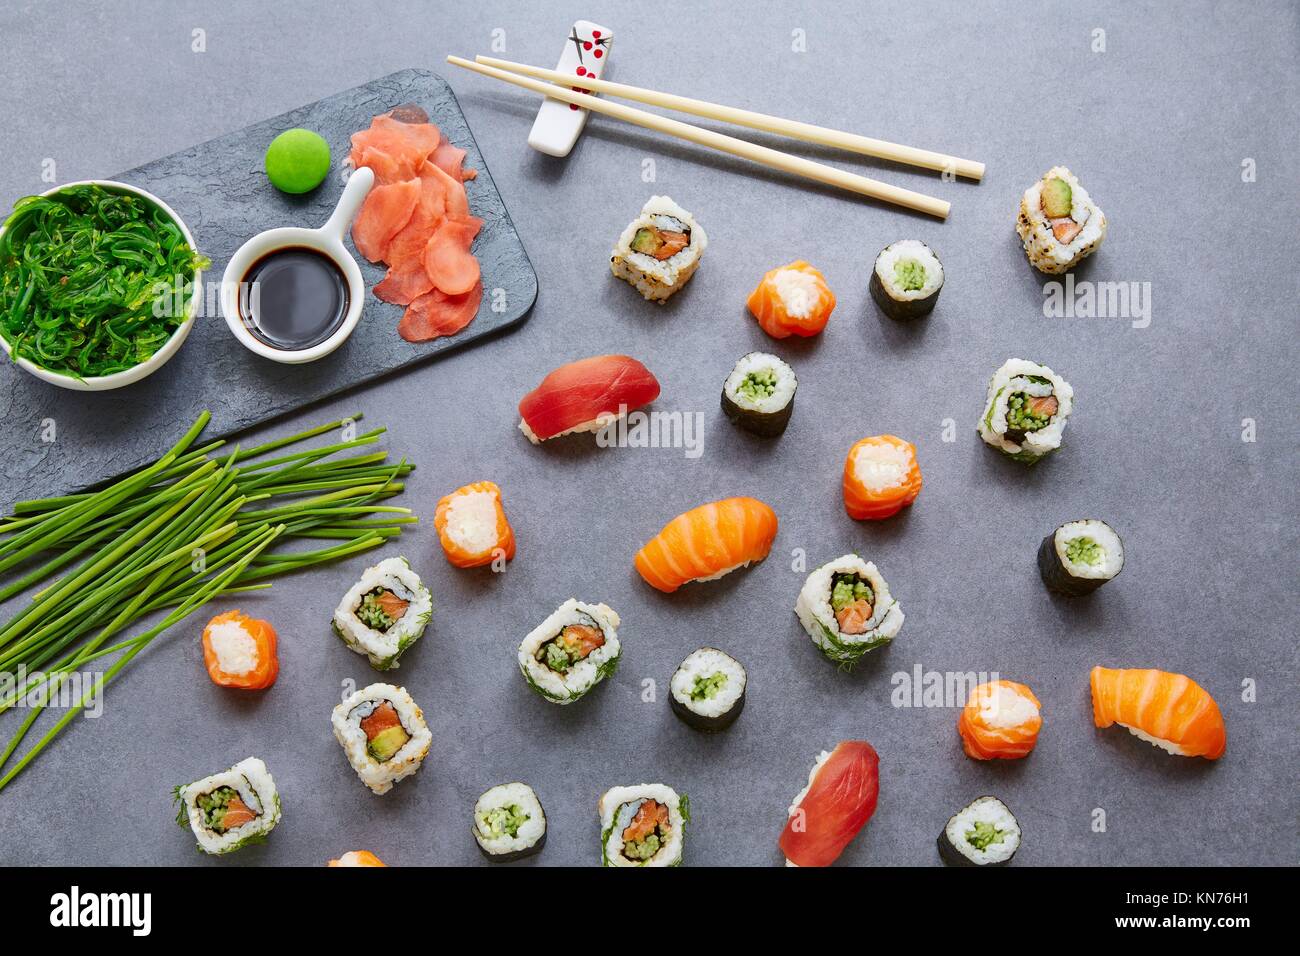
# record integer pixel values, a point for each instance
(847, 610)
(472, 526)
(881, 477)
(240, 651)
(1001, 720)
(357, 858)
(792, 300)
(708, 542)
(1171, 711)
(231, 809)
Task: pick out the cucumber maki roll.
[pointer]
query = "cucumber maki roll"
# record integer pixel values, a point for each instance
(1026, 410)
(384, 613)
(231, 809)
(383, 733)
(1059, 225)
(571, 651)
(708, 689)
(1080, 556)
(758, 395)
(643, 825)
(984, 833)
(509, 823)
(906, 279)
(847, 610)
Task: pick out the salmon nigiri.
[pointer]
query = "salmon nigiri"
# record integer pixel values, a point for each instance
(1168, 710)
(707, 542)
(1000, 720)
(792, 300)
(472, 526)
(881, 477)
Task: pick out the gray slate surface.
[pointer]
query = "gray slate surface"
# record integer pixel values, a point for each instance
(220, 190)
(1157, 127)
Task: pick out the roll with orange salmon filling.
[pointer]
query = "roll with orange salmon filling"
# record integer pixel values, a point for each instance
(881, 477)
(847, 610)
(1001, 719)
(1171, 711)
(231, 809)
(707, 542)
(472, 526)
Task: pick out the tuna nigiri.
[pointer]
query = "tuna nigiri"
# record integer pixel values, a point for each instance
(472, 526)
(1168, 710)
(792, 300)
(881, 477)
(1001, 719)
(585, 395)
(707, 542)
(838, 801)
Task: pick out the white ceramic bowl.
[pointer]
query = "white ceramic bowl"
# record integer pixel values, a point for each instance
(327, 240)
(102, 383)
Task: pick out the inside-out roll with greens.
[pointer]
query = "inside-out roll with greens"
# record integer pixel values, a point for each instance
(571, 651)
(1059, 225)
(1080, 556)
(659, 250)
(644, 825)
(847, 610)
(509, 823)
(906, 279)
(383, 733)
(231, 809)
(1026, 410)
(758, 395)
(384, 613)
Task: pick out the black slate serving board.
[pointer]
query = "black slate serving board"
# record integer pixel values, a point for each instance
(221, 191)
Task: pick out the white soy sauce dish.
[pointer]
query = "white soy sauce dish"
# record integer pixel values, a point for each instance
(294, 295)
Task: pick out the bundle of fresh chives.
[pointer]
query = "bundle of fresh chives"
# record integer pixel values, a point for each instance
(186, 529)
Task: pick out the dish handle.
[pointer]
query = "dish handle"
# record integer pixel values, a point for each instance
(354, 194)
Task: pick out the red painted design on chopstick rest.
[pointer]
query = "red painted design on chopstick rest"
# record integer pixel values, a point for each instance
(596, 46)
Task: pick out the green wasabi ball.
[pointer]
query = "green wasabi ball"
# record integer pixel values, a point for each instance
(297, 161)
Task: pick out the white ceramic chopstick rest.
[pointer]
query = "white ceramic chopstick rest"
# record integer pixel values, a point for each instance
(558, 125)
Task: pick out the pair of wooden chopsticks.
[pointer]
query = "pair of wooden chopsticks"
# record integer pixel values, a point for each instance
(519, 73)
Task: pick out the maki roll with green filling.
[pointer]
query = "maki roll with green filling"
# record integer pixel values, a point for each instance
(1026, 410)
(231, 809)
(847, 610)
(708, 689)
(1080, 556)
(384, 613)
(571, 651)
(758, 395)
(643, 825)
(984, 833)
(509, 823)
(906, 279)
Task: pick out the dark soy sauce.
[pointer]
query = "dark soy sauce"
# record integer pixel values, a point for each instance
(293, 298)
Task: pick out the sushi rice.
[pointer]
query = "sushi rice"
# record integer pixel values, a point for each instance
(380, 775)
(562, 680)
(252, 783)
(509, 822)
(1046, 252)
(657, 279)
(619, 807)
(818, 617)
(383, 646)
(1023, 381)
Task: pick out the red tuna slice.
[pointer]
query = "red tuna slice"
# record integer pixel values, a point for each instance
(583, 391)
(436, 314)
(385, 213)
(450, 159)
(838, 804)
(447, 260)
(406, 280)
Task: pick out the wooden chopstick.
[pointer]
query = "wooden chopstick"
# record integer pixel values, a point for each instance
(825, 136)
(727, 144)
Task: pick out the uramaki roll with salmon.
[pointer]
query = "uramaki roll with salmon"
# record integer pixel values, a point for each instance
(659, 250)
(881, 477)
(1026, 410)
(571, 651)
(644, 825)
(847, 610)
(472, 526)
(384, 613)
(231, 809)
(1059, 225)
(383, 733)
